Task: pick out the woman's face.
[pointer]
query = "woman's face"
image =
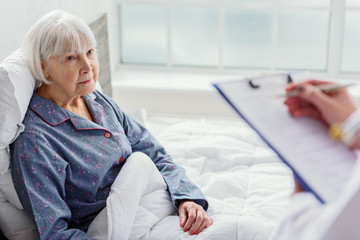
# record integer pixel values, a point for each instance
(73, 73)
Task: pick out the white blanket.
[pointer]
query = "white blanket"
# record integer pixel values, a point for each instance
(238, 173)
(139, 207)
(246, 185)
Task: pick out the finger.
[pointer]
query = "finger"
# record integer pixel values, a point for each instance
(297, 103)
(205, 224)
(291, 86)
(314, 82)
(210, 222)
(202, 227)
(294, 106)
(317, 97)
(305, 112)
(191, 216)
(198, 221)
(183, 216)
(303, 108)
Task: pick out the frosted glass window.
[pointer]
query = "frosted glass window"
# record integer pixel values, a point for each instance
(250, 1)
(310, 3)
(303, 39)
(351, 44)
(247, 38)
(143, 37)
(201, 1)
(353, 3)
(194, 35)
(234, 1)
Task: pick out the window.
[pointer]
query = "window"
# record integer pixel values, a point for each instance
(225, 35)
(351, 41)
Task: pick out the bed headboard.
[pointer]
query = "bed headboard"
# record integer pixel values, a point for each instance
(100, 30)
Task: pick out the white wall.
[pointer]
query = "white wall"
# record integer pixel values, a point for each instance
(157, 101)
(17, 16)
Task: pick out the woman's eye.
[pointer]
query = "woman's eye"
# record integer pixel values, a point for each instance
(91, 51)
(69, 58)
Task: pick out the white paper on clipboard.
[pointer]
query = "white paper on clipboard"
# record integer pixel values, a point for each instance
(321, 164)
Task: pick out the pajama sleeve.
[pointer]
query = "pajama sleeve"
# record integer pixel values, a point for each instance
(39, 175)
(179, 185)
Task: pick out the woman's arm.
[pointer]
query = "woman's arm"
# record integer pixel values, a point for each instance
(186, 196)
(179, 185)
(39, 175)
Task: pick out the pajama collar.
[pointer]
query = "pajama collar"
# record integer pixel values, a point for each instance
(54, 115)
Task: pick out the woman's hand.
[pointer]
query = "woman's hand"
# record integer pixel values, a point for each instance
(193, 217)
(332, 107)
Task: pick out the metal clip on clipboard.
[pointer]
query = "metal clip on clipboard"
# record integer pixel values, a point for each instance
(254, 85)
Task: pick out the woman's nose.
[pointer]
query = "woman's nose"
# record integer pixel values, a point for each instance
(86, 66)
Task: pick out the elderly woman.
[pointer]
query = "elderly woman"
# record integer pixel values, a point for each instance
(77, 141)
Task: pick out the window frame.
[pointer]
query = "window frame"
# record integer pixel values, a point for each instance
(337, 10)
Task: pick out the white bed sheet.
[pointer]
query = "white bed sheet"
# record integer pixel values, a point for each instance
(236, 170)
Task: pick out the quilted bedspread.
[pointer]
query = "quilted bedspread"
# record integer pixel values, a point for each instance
(239, 174)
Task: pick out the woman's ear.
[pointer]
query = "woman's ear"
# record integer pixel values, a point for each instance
(44, 67)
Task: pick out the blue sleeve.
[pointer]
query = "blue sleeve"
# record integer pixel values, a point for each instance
(39, 175)
(179, 185)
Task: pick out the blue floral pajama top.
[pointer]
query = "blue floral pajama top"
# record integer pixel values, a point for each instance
(63, 165)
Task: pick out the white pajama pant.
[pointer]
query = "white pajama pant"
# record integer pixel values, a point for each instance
(137, 201)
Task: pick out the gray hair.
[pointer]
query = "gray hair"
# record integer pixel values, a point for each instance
(55, 34)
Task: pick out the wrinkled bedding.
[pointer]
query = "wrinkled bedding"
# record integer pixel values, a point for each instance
(246, 184)
(241, 177)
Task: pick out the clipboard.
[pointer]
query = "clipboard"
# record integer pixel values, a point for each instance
(321, 164)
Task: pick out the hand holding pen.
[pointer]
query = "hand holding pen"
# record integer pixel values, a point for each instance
(326, 88)
(333, 106)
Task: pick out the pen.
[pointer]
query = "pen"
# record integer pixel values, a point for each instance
(331, 87)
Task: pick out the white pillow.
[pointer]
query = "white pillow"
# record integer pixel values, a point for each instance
(17, 86)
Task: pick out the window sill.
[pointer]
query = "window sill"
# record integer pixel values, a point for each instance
(180, 93)
(168, 80)
(198, 81)
(169, 93)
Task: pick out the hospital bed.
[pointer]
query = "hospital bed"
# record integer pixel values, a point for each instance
(241, 177)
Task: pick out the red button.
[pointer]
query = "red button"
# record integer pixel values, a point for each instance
(121, 159)
(107, 135)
